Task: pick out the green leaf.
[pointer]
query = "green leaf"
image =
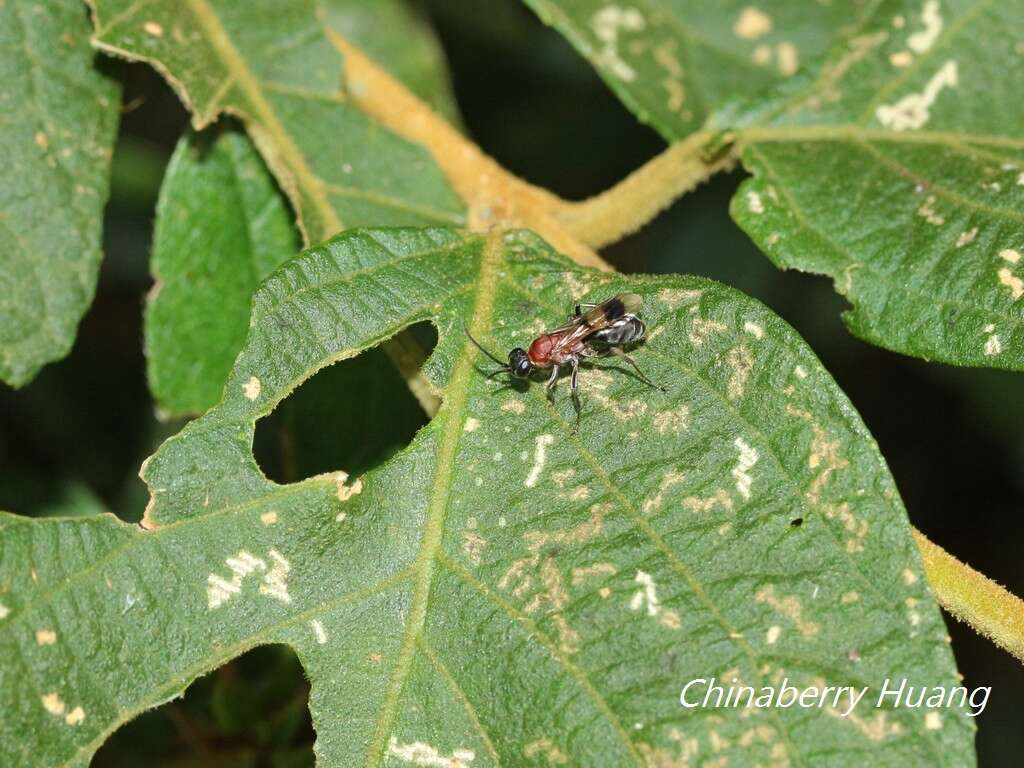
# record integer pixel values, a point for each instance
(674, 63)
(270, 63)
(899, 171)
(221, 228)
(59, 120)
(505, 588)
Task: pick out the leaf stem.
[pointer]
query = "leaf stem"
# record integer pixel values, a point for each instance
(990, 609)
(496, 198)
(643, 194)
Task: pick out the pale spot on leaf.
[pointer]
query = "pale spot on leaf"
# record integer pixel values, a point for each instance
(420, 753)
(670, 479)
(45, 637)
(933, 721)
(473, 545)
(1011, 281)
(275, 582)
(702, 329)
(754, 329)
(772, 635)
(849, 597)
(647, 596)
(928, 213)
(676, 420)
(752, 23)
(513, 406)
(585, 531)
(673, 297)
(539, 457)
(318, 631)
(608, 24)
(741, 472)
(346, 492)
(912, 111)
(1010, 255)
(788, 606)
(921, 41)
(471, 425)
(754, 202)
(789, 59)
(75, 716)
(545, 748)
(52, 703)
(719, 498)
(580, 575)
(621, 411)
(563, 476)
(909, 577)
(873, 728)
(268, 518)
(966, 238)
(153, 28)
(741, 360)
(251, 388)
(220, 590)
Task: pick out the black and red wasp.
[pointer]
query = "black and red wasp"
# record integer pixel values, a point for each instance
(603, 329)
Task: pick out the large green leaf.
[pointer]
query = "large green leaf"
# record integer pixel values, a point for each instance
(506, 588)
(58, 117)
(270, 63)
(899, 171)
(673, 62)
(221, 228)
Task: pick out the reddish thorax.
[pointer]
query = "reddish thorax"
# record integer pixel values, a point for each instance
(540, 351)
(549, 349)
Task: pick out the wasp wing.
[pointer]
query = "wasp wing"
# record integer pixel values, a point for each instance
(610, 310)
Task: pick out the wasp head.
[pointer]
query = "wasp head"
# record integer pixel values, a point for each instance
(519, 363)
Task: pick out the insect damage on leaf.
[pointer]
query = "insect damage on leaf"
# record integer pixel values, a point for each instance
(904, 124)
(599, 558)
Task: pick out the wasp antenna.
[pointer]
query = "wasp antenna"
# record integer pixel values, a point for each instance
(480, 346)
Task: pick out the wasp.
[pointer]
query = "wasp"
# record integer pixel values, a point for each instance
(593, 330)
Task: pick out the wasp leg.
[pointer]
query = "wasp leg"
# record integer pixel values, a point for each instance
(575, 386)
(618, 352)
(553, 380)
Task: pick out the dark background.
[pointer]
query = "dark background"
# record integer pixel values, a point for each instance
(73, 440)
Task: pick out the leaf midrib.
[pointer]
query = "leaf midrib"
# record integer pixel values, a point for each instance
(451, 429)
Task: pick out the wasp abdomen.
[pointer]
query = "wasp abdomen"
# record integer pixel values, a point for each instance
(624, 331)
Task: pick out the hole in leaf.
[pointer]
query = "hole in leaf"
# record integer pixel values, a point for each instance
(252, 711)
(351, 416)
